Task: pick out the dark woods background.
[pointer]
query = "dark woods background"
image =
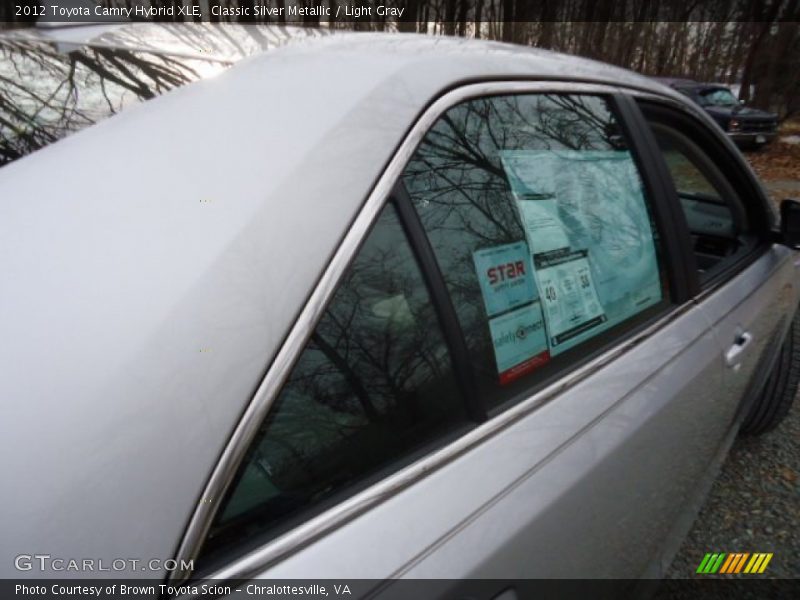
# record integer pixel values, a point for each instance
(755, 43)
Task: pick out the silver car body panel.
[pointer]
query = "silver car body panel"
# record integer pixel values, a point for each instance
(140, 339)
(565, 479)
(270, 386)
(670, 420)
(551, 485)
(758, 303)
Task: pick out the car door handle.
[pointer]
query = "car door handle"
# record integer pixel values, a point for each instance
(733, 357)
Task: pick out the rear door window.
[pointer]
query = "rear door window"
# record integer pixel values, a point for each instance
(541, 228)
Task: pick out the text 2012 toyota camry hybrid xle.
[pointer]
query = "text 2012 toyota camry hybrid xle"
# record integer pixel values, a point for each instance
(369, 306)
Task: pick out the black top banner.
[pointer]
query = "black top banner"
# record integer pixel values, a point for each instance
(458, 13)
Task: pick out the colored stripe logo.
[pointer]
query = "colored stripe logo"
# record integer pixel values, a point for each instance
(735, 562)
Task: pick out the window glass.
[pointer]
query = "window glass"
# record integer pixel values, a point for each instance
(373, 385)
(689, 180)
(713, 210)
(538, 218)
(718, 97)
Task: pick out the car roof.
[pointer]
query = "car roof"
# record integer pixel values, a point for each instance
(155, 262)
(232, 42)
(676, 81)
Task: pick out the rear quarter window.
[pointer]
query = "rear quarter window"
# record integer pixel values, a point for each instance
(373, 388)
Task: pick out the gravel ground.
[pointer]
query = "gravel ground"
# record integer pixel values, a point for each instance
(754, 505)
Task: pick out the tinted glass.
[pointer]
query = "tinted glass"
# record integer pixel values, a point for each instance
(373, 386)
(712, 208)
(688, 179)
(538, 218)
(718, 97)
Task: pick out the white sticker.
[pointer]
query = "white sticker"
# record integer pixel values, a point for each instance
(590, 201)
(505, 276)
(519, 340)
(570, 302)
(542, 217)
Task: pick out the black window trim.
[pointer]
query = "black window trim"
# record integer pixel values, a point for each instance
(308, 316)
(659, 186)
(443, 304)
(450, 331)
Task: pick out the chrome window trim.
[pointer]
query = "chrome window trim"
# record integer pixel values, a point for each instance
(246, 566)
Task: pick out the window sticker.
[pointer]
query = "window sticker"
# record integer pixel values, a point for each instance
(541, 215)
(515, 316)
(570, 301)
(587, 201)
(505, 276)
(519, 341)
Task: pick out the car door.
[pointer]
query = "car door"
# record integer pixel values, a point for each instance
(565, 394)
(747, 284)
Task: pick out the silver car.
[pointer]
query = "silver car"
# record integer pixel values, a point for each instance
(369, 306)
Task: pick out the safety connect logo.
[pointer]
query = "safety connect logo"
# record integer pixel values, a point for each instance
(736, 562)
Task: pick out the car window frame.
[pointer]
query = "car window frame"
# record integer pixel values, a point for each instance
(732, 166)
(471, 415)
(386, 190)
(657, 203)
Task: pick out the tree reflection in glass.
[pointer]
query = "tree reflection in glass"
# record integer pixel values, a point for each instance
(48, 91)
(461, 190)
(373, 385)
